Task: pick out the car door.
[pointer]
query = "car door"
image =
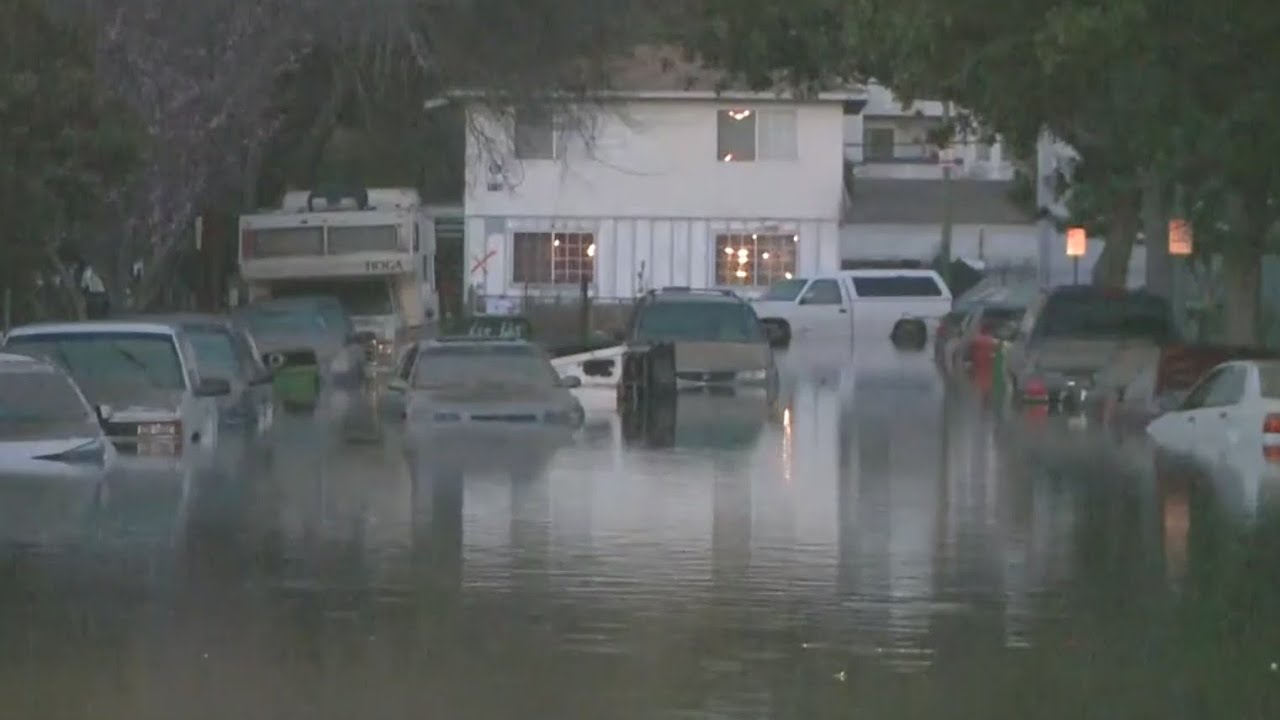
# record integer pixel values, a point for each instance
(1191, 427)
(1220, 418)
(823, 309)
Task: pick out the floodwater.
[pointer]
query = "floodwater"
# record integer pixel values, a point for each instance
(885, 547)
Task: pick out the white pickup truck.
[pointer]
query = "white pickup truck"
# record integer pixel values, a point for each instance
(865, 303)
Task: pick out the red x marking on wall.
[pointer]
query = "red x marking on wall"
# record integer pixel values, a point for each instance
(481, 262)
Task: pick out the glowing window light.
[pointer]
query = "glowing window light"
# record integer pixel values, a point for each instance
(787, 275)
(728, 251)
(741, 273)
(591, 250)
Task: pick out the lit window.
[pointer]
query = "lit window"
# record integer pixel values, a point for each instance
(543, 258)
(755, 259)
(748, 135)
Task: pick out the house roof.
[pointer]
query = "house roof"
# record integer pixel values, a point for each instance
(923, 202)
(658, 72)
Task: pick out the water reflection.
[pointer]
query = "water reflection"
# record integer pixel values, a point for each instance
(886, 546)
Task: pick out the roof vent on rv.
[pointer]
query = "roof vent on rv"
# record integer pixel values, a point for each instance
(334, 195)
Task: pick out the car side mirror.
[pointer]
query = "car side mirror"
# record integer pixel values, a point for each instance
(398, 386)
(362, 337)
(104, 412)
(212, 387)
(571, 382)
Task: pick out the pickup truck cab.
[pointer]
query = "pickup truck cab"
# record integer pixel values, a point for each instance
(868, 303)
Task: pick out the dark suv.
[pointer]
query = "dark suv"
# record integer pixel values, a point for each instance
(718, 338)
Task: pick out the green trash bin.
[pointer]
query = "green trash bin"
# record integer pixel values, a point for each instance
(297, 387)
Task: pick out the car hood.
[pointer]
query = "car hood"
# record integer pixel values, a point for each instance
(721, 356)
(133, 397)
(764, 307)
(21, 450)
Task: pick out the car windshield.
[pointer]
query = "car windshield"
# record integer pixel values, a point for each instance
(1100, 316)
(116, 368)
(268, 320)
(698, 321)
(470, 363)
(215, 353)
(37, 402)
(785, 291)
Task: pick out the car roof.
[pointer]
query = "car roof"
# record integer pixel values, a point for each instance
(686, 294)
(464, 340)
(181, 320)
(93, 326)
(889, 272)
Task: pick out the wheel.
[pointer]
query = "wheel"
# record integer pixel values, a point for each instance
(910, 334)
(778, 332)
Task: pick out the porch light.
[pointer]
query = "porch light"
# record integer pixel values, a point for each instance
(1180, 237)
(591, 250)
(1077, 242)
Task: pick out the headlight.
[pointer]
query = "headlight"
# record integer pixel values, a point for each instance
(753, 376)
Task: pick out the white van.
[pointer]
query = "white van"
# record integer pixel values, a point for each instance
(865, 303)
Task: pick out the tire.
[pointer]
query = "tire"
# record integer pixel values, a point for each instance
(779, 332)
(910, 334)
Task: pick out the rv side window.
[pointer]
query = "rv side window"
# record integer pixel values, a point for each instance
(895, 286)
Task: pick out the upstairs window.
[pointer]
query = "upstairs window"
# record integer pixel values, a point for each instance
(536, 137)
(745, 135)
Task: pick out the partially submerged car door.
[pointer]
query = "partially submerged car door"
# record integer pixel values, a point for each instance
(822, 310)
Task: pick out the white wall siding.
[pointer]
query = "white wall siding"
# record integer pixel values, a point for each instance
(658, 159)
(670, 251)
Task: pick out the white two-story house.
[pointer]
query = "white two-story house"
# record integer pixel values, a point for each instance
(667, 181)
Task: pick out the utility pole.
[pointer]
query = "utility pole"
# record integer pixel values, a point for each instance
(947, 163)
(1044, 200)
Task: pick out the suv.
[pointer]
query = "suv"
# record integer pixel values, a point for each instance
(1069, 334)
(719, 340)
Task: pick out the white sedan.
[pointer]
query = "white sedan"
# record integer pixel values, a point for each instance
(1233, 409)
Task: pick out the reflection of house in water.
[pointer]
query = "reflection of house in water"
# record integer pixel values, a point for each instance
(889, 512)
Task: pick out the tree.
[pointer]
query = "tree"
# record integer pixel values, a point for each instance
(64, 147)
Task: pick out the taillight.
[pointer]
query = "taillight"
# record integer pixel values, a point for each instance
(1271, 424)
(1035, 388)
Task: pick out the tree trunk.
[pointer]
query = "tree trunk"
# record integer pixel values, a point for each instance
(1112, 268)
(1241, 293)
(1155, 230)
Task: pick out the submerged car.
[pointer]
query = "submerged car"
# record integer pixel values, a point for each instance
(479, 404)
(718, 339)
(226, 349)
(141, 376)
(309, 343)
(46, 424)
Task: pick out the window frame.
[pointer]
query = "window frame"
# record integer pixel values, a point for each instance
(813, 285)
(558, 275)
(545, 121)
(755, 279)
(763, 120)
(870, 149)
